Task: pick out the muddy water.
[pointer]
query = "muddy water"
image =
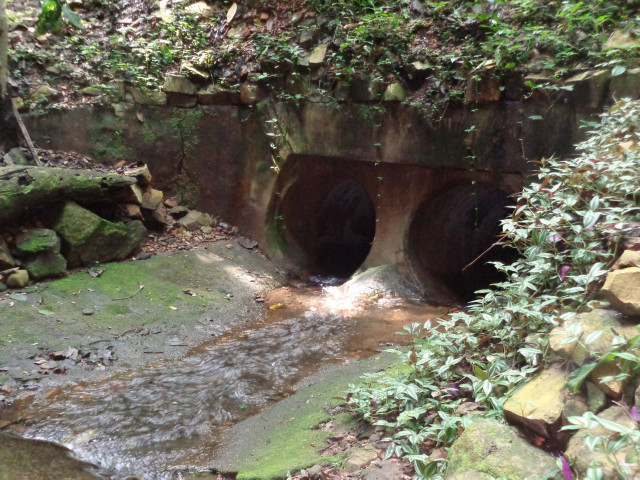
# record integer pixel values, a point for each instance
(164, 420)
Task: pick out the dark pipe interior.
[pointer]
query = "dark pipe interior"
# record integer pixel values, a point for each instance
(332, 221)
(453, 229)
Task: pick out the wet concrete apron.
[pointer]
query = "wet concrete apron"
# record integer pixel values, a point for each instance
(164, 419)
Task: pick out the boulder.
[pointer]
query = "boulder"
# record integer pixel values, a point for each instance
(580, 456)
(540, 403)
(131, 210)
(179, 84)
(394, 93)
(489, 449)
(151, 198)
(37, 241)
(622, 290)
(194, 219)
(88, 238)
(19, 279)
(628, 259)
(621, 39)
(47, 265)
(359, 458)
(141, 174)
(587, 323)
(202, 9)
(317, 55)
(147, 97)
(612, 388)
(43, 94)
(6, 260)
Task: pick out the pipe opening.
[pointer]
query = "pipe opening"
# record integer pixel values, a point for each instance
(453, 229)
(330, 222)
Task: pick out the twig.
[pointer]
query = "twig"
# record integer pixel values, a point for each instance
(495, 244)
(130, 296)
(26, 136)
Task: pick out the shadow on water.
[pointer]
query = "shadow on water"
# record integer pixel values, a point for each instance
(164, 419)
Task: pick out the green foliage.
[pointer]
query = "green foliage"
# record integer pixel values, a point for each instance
(566, 226)
(50, 18)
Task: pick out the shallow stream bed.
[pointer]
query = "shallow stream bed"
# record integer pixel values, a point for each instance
(164, 420)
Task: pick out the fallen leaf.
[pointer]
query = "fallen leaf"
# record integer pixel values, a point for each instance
(171, 307)
(276, 306)
(232, 12)
(189, 292)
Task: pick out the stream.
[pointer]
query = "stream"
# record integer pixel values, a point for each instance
(164, 421)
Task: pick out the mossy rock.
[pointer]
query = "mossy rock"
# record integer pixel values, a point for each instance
(47, 265)
(89, 239)
(490, 449)
(37, 241)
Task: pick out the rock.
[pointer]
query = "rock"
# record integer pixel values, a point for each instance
(621, 39)
(629, 258)
(247, 243)
(241, 32)
(157, 219)
(178, 84)
(626, 85)
(92, 91)
(6, 260)
(622, 290)
(612, 388)
(151, 198)
(596, 398)
(217, 95)
(88, 311)
(170, 202)
(483, 84)
(394, 93)
(359, 458)
(317, 55)
(178, 211)
(43, 94)
(147, 97)
(15, 156)
(201, 9)
(88, 238)
(489, 449)
(47, 265)
(37, 241)
(250, 93)
(308, 37)
(587, 323)
(384, 470)
(576, 405)
(19, 279)
(195, 219)
(590, 87)
(539, 404)
(580, 456)
(131, 210)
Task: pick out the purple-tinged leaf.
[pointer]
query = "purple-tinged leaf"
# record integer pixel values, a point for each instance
(556, 237)
(566, 468)
(634, 414)
(563, 271)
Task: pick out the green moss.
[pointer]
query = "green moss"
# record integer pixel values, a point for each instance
(292, 447)
(148, 135)
(275, 238)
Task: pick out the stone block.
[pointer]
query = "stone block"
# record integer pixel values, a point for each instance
(47, 265)
(151, 198)
(178, 84)
(540, 403)
(622, 290)
(36, 241)
(19, 279)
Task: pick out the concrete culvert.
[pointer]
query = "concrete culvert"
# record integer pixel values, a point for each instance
(330, 223)
(451, 230)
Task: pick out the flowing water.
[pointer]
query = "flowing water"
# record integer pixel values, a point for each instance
(165, 419)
